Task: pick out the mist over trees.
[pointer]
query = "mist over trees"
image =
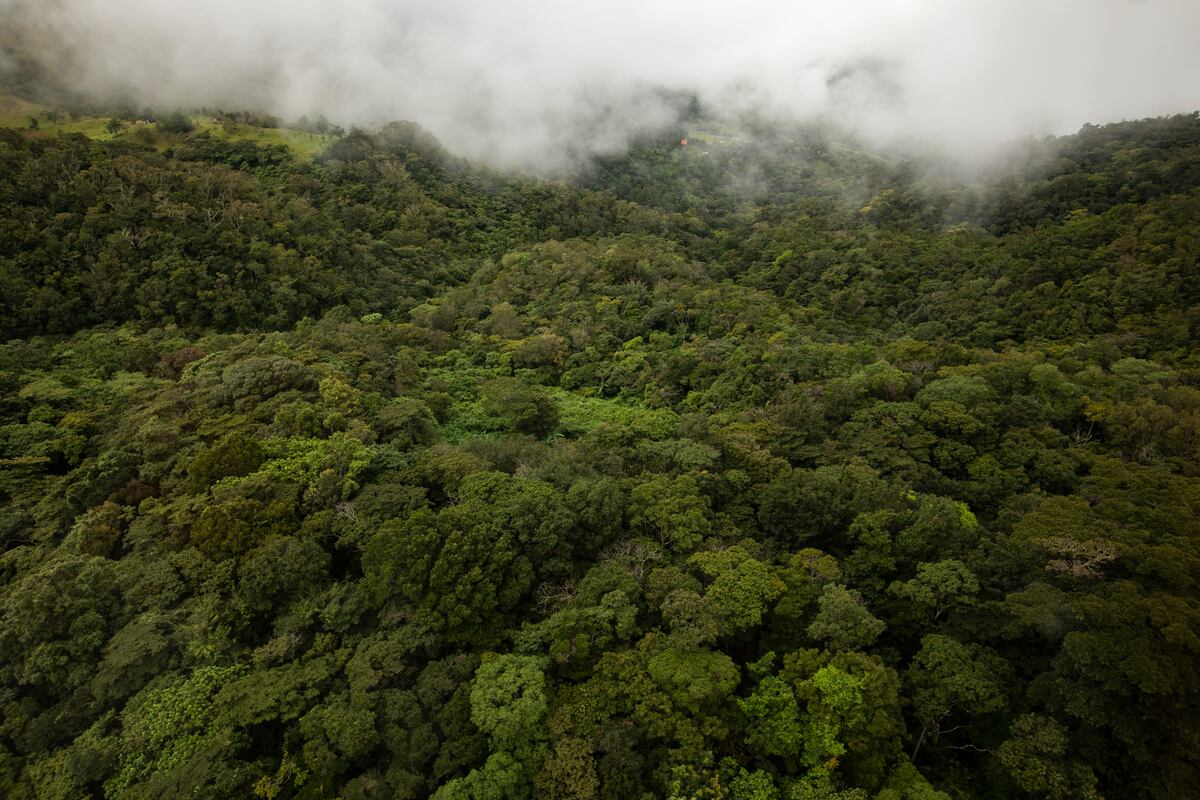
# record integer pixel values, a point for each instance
(725, 453)
(528, 83)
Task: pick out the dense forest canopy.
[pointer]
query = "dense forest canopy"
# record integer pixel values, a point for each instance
(763, 468)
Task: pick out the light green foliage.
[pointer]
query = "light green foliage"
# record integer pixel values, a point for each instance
(341, 457)
(673, 509)
(163, 727)
(340, 396)
(695, 679)
(580, 414)
(774, 724)
(951, 419)
(501, 778)
(838, 694)
(834, 700)
(779, 725)
(742, 587)
(860, 698)
(508, 701)
(755, 785)
(882, 380)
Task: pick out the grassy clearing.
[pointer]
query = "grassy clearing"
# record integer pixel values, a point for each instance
(16, 112)
(579, 414)
(305, 146)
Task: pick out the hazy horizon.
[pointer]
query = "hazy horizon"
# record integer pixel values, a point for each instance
(524, 82)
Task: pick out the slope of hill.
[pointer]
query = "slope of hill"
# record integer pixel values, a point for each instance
(774, 471)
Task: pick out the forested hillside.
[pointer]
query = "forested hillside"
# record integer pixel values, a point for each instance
(765, 468)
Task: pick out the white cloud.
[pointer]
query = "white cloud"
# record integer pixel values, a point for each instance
(516, 80)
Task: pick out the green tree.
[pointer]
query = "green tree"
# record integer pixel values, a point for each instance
(673, 508)
(233, 456)
(774, 724)
(1035, 758)
(742, 587)
(938, 587)
(843, 621)
(176, 122)
(948, 677)
(528, 409)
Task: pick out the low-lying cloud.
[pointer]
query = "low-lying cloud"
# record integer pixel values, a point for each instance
(525, 81)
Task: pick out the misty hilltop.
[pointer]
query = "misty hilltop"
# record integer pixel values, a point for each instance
(521, 83)
(434, 401)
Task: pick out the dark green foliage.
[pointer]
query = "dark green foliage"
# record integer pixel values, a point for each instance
(176, 122)
(525, 408)
(784, 472)
(233, 456)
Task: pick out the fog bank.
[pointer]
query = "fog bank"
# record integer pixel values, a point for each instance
(522, 82)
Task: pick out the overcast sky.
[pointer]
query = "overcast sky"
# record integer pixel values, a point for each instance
(512, 80)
